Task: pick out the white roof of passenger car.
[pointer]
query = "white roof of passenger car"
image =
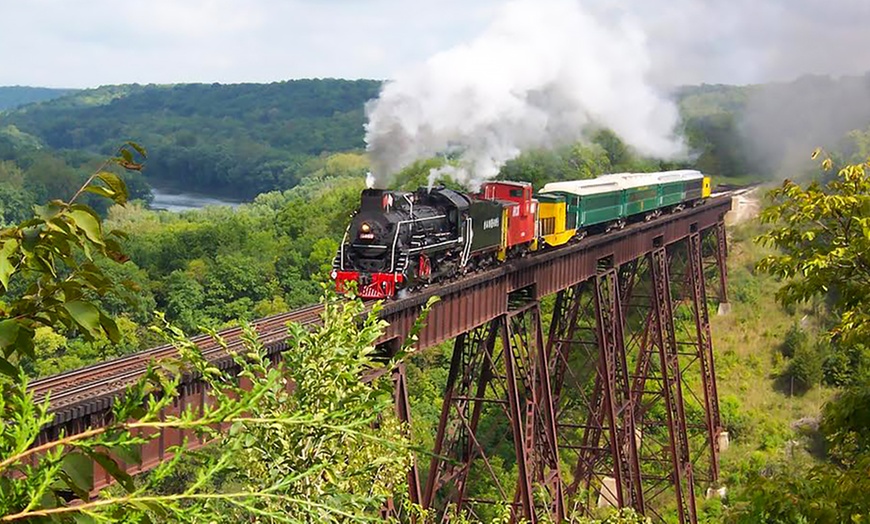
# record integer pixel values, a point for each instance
(592, 186)
(680, 175)
(618, 181)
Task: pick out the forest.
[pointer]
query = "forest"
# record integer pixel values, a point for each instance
(239, 139)
(12, 97)
(794, 370)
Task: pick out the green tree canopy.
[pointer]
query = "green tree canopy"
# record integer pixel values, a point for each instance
(822, 234)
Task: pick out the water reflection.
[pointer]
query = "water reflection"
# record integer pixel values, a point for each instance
(175, 202)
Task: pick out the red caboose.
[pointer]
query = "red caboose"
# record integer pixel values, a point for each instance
(521, 213)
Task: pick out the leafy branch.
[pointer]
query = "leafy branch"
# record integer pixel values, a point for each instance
(56, 250)
(298, 441)
(822, 235)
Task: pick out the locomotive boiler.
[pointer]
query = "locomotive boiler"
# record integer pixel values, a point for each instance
(400, 240)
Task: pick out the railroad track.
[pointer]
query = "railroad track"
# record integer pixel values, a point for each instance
(112, 376)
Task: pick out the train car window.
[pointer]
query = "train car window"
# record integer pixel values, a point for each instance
(642, 195)
(606, 200)
(516, 193)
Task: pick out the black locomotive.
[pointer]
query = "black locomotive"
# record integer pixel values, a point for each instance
(399, 239)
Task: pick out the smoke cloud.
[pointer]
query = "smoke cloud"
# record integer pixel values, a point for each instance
(540, 75)
(785, 50)
(747, 42)
(782, 123)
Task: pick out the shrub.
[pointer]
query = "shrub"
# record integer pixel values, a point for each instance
(745, 288)
(806, 365)
(845, 365)
(795, 338)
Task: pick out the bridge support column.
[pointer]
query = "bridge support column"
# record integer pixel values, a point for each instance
(591, 383)
(456, 444)
(508, 382)
(705, 358)
(618, 404)
(574, 356)
(403, 412)
(665, 339)
(525, 330)
(722, 266)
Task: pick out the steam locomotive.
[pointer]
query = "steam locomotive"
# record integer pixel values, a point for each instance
(401, 240)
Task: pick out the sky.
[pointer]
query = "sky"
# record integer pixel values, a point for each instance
(87, 43)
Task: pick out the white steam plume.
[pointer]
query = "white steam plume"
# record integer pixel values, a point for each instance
(540, 75)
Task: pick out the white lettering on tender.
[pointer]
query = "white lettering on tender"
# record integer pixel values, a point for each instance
(490, 223)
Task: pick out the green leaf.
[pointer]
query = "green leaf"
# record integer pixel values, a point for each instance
(85, 315)
(83, 518)
(8, 332)
(24, 344)
(102, 191)
(48, 211)
(80, 471)
(115, 184)
(139, 149)
(65, 483)
(110, 327)
(147, 505)
(8, 369)
(112, 468)
(7, 267)
(89, 224)
(58, 224)
(129, 453)
(48, 500)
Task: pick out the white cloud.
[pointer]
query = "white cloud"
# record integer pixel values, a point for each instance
(93, 42)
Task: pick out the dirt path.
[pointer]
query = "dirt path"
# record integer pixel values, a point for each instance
(744, 206)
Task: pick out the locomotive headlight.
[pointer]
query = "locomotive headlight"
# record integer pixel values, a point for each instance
(365, 232)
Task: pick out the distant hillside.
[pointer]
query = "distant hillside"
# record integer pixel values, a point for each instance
(17, 96)
(240, 139)
(771, 129)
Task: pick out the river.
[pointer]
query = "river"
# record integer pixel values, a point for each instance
(180, 201)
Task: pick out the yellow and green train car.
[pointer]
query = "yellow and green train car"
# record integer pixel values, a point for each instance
(613, 200)
(552, 215)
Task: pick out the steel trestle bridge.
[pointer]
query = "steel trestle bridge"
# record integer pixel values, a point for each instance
(613, 402)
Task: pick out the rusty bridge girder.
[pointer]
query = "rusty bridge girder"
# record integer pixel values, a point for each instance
(585, 394)
(497, 367)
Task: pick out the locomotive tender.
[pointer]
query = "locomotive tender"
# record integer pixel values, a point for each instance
(400, 240)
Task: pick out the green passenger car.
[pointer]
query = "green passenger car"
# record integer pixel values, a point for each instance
(590, 202)
(614, 198)
(600, 208)
(672, 193)
(642, 199)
